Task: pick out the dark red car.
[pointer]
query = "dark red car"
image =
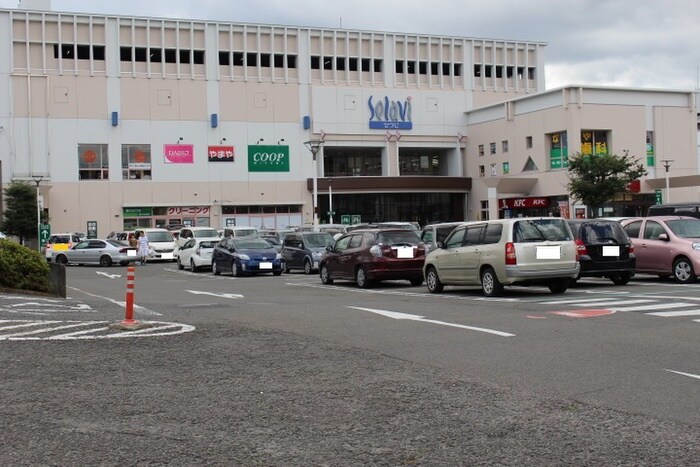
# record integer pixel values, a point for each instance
(368, 256)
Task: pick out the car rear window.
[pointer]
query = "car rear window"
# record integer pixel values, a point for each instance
(399, 237)
(540, 230)
(206, 233)
(60, 239)
(208, 243)
(603, 232)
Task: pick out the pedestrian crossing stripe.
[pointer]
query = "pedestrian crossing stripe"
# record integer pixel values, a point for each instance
(24, 330)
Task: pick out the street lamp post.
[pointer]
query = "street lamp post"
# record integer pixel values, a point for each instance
(37, 180)
(667, 165)
(314, 146)
(330, 202)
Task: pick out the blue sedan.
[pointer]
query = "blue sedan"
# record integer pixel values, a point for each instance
(245, 255)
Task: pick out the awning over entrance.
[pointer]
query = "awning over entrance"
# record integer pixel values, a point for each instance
(674, 182)
(513, 185)
(393, 184)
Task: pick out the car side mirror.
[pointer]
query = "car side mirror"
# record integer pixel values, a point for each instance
(440, 244)
(663, 237)
(329, 248)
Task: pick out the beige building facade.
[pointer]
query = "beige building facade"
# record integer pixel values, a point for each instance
(142, 122)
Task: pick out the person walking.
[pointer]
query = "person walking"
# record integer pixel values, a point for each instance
(143, 246)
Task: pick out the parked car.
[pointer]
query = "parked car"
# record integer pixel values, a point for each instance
(187, 233)
(245, 255)
(666, 246)
(240, 231)
(689, 209)
(60, 242)
(368, 256)
(196, 253)
(604, 249)
(162, 243)
(438, 232)
(303, 250)
(279, 234)
(495, 253)
(95, 251)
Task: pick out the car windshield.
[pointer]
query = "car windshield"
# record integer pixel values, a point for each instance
(252, 243)
(160, 237)
(205, 233)
(407, 237)
(685, 228)
(245, 232)
(318, 240)
(539, 230)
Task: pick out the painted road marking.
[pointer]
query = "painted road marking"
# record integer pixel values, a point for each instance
(106, 274)
(616, 301)
(656, 306)
(41, 306)
(667, 314)
(583, 313)
(137, 308)
(690, 375)
(53, 330)
(406, 316)
(222, 295)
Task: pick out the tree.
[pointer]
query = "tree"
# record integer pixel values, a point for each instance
(595, 180)
(20, 211)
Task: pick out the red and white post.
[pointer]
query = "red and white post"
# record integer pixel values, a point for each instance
(129, 318)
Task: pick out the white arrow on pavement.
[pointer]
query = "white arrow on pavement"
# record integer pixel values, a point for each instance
(690, 375)
(397, 315)
(106, 274)
(222, 295)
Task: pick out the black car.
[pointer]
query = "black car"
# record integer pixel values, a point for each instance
(604, 248)
(303, 250)
(245, 255)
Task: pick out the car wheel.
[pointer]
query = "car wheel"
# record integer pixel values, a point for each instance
(61, 259)
(105, 261)
(621, 278)
(433, 281)
(490, 284)
(326, 275)
(193, 268)
(308, 268)
(286, 268)
(559, 285)
(277, 273)
(361, 278)
(179, 264)
(683, 271)
(215, 269)
(235, 269)
(416, 281)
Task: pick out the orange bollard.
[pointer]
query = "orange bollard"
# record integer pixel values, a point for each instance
(129, 318)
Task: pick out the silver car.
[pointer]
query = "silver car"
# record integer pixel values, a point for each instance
(521, 251)
(96, 251)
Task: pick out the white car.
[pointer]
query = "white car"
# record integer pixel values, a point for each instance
(196, 253)
(162, 244)
(199, 233)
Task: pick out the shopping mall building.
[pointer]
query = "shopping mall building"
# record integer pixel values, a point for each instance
(136, 121)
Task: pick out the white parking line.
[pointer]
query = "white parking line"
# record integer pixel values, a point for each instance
(667, 314)
(137, 308)
(52, 330)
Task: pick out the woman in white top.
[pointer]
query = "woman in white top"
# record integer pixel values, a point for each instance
(143, 247)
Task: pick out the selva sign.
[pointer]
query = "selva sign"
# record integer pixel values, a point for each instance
(268, 158)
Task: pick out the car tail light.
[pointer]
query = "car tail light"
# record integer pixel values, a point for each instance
(580, 248)
(124, 250)
(510, 254)
(630, 248)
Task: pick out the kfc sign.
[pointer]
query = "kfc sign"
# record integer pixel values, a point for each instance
(523, 203)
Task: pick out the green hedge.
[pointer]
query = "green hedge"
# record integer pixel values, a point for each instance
(23, 268)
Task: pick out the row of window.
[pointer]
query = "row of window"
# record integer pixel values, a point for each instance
(435, 68)
(499, 71)
(350, 63)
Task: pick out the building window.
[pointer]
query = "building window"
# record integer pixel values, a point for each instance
(558, 150)
(650, 149)
(83, 51)
(482, 171)
(352, 162)
(136, 162)
(484, 211)
(528, 142)
(492, 148)
(494, 171)
(506, 168)
(594, 142)
(93, 162)
(504, 145)
(530, 166)
(419, 164)
(481, 150)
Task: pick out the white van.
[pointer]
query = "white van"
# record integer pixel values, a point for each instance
(162, 244)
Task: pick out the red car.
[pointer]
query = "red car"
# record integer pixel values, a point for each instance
(368, 256)
(666, 246)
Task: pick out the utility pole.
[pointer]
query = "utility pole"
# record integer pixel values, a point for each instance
(667, 165)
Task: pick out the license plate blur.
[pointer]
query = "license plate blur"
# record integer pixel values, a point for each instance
(166, 256)
(548, 252)
(265, 265)
(610, 250)
(404, 252)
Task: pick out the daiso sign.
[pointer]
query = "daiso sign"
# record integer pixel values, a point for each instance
(178, 153)
(268, 158)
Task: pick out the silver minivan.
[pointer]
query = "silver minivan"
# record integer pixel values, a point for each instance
(494, 253)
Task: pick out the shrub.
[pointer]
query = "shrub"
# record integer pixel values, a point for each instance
(23, 268)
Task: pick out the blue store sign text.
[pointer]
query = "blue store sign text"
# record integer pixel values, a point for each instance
(390, 115)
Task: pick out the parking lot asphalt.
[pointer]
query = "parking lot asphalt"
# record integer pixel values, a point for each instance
(236, 395)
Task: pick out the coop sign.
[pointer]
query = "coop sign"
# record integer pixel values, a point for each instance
(385, 114)
(268, 158)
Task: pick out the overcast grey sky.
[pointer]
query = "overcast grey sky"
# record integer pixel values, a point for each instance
(639, 43)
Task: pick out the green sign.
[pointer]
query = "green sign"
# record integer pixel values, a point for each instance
(658, 194)
(345, 219)
(138, 212)
(92, 229)
(44, 234)
(268, 158)
(356, 218)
